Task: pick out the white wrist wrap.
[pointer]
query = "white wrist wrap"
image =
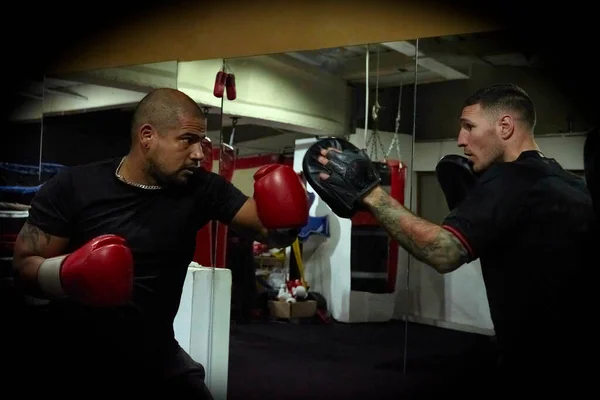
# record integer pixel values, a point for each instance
(49, 277)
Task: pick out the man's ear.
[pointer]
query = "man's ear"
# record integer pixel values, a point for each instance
(146, 134)
(506, 126)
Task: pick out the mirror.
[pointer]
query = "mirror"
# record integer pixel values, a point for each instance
(21, 173)
(202, 80)
(451, 68)
(89, 113)
(205, 303)
(354, 274)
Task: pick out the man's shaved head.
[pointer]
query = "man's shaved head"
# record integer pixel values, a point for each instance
(167, 131)
(163, 109)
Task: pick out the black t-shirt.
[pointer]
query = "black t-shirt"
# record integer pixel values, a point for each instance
(530, 223)
(160, 227)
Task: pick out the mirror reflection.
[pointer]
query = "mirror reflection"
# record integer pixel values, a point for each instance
(499, 162)
(89, 113)
(343, 279)
(203, 311)
(21, 173)
(415, 104)
(201, 80)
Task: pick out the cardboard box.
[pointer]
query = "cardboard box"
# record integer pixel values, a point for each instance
(299, 309)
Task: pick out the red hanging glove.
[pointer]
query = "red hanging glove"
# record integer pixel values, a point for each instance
(220, 82)
(230, 85)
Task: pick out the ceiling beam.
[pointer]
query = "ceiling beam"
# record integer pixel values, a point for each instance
(431, 64)
(389, 63)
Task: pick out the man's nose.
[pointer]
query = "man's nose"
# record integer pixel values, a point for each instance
(197, 153)
(462, 138)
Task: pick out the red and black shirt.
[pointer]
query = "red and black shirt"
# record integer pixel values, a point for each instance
(529, 223)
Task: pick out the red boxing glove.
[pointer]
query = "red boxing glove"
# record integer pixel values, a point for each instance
(220, 81)
(281, 199)
(230, 86)
(100, 273)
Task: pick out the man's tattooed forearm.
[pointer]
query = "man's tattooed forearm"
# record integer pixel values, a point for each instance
(35, 238)
(426, 241)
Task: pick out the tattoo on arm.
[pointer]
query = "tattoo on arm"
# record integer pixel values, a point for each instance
(426, 241)
(34, 238)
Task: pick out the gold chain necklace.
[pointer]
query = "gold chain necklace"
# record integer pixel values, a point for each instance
(139, 185)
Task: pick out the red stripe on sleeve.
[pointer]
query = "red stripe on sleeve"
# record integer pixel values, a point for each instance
(462, 239)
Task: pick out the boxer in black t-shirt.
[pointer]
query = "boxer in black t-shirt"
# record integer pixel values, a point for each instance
(526, 219)
(109, 244)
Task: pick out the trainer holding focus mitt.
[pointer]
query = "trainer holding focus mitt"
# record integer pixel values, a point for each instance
(519, 212)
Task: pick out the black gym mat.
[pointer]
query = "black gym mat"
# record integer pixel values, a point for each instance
(279, 360)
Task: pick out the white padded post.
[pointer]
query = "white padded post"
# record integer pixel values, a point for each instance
(203, 321)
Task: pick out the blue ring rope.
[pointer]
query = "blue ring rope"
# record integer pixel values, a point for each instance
(31, 169)
(20, 189)
(25, 169)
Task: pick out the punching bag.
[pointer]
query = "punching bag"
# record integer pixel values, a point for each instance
(393, 180)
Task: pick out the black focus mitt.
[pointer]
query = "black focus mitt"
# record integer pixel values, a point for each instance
(351, 175)
(456, 178)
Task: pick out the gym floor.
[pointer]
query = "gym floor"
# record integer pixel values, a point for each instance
(271, 359)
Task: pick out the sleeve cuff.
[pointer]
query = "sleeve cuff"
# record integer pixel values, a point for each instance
(462, 239)
(235, 209)
(49, 228)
